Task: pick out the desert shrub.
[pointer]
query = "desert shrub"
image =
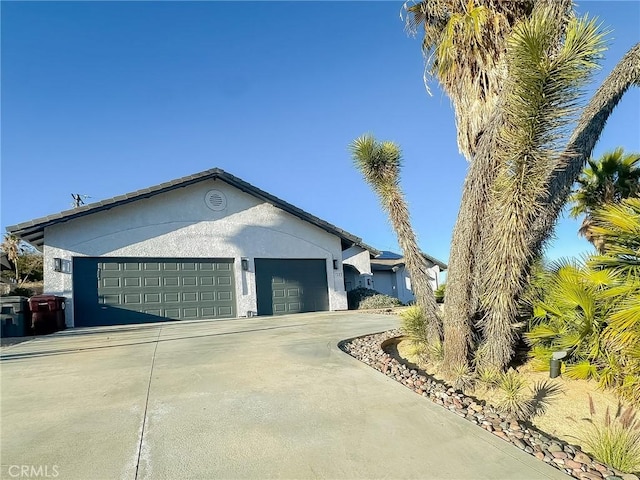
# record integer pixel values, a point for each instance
(379, 301)
(614, 441)
(355, 296)
(517, 399)
(413, 324)
(21, 292)
(439, 293)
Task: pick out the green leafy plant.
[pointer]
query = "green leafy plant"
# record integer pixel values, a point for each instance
(488, 377)
(413, 325)
(591, 309)
(614, 441)
(514, 398)
(462, 377)
(518, 399)
(440, 292)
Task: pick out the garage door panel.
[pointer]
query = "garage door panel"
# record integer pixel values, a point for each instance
(291, 286)
(225, 296)
(171, 297)
(132, 281)
(152, 282)
(137, 290)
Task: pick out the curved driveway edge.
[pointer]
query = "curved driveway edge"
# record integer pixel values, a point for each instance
(265, 397)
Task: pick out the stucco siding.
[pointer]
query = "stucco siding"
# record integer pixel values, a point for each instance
(357, 257)
(179, 224)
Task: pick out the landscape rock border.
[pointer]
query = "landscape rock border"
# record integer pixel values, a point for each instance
(371, 350)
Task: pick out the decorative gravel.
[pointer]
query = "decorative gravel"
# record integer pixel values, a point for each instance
(372, 350)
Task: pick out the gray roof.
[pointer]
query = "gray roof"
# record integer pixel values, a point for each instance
(386, 263)
(33, 230)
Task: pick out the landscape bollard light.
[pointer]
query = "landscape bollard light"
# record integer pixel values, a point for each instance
(555, 363)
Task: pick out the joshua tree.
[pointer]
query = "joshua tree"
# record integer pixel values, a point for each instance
(380, 164)
(492, 195)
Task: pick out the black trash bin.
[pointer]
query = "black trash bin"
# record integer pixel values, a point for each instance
(15, 317)
(47, 313)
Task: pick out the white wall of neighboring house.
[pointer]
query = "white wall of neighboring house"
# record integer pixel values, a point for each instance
(398, 284)
(360, 259)
(179, 224)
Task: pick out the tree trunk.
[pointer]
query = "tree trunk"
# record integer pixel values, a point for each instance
(583, 140)
(461, 305)
(415, 263)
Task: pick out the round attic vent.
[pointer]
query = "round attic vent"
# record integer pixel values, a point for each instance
(215, 200)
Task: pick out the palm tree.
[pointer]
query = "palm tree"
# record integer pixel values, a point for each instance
(593, 311)
(11, 246)
(619, 225)
(609, 179)
(380, 163)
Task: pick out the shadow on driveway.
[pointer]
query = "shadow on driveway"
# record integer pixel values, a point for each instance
(10, 357)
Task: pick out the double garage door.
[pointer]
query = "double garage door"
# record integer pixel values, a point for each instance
(116, 291)
(112, 291)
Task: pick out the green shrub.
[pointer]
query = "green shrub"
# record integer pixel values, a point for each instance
(522, 402)
(413, 324)
(362, 298)
(21, 292)
(616, 441)
(439, 293)
(355, 296)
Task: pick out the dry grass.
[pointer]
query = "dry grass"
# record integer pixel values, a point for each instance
(563, 417)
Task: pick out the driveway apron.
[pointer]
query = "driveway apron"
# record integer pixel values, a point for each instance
(264, 397)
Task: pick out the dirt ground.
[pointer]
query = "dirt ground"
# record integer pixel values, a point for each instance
(563, 418)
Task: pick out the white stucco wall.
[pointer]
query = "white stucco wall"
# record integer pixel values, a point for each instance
(357, 257)
(385, 283)
(179, 224)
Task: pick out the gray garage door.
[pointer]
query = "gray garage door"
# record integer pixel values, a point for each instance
(291, 286)
(111, 291)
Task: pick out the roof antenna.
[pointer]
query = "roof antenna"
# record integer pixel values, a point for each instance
(78, 199)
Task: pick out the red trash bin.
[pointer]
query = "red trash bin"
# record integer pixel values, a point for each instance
(47, 313)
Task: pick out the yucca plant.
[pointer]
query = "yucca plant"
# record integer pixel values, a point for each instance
(380, 164)
(488, 377)
(414, 325)
(540, 98)
(614, 441)
(513, 397)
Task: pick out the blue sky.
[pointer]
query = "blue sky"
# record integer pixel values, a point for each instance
(104, 98)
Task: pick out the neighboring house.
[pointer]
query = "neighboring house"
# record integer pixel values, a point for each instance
(204, 246)
(391, 277)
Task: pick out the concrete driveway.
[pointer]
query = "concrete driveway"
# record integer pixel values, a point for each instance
(266, 397)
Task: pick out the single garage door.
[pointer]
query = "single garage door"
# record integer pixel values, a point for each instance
(115, 291)
(291, 286)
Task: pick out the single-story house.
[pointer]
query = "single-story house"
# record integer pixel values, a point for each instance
(391, 277)
(205, 246)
